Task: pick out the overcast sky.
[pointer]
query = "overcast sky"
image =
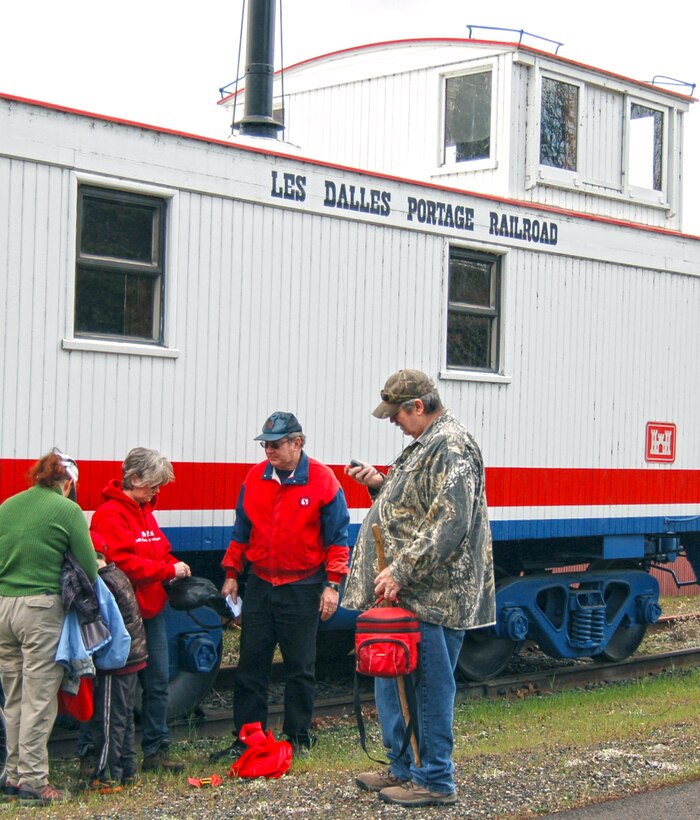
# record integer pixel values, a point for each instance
(162, 62)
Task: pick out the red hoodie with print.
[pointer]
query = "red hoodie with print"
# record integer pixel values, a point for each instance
(136, 545)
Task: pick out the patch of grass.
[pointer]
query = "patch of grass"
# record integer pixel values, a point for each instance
(574, 716)
(680, 604)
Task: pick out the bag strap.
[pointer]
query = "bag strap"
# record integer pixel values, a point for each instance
(411, 728)
(361, 721)
(208, 628)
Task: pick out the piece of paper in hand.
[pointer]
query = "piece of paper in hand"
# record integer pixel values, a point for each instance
(235, 609)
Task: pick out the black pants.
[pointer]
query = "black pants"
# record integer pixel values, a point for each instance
(287, 616)
(112, 726)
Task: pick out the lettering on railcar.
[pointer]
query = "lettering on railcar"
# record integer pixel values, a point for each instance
(357, 198)
(528, 230)
(290, 186)
(442, 214)
(345, 196)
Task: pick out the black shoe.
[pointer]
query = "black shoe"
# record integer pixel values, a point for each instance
(230, 753)
(87, 766)
(8, 792)
(302, 744)
(160, 762)
(130, 778)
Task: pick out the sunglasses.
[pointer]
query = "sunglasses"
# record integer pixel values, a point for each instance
(272, 445)
(392, 399)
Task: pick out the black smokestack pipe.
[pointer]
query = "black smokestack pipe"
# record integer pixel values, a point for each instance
(260, 57)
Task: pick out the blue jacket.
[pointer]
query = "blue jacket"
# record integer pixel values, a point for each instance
(111, 653)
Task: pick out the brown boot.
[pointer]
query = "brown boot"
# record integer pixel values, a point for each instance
(412, 795)
(376, 781)
(160, 762)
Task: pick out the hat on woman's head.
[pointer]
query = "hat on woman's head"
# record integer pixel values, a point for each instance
(69, 464)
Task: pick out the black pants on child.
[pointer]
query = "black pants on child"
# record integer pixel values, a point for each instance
(112, 726)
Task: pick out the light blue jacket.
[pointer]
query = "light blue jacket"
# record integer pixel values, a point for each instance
(111, 653)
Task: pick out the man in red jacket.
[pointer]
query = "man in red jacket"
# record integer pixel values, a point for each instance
(291, 532)
(136, 544)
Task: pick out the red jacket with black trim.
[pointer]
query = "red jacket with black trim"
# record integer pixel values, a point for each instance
(136, 545)
(290, 529)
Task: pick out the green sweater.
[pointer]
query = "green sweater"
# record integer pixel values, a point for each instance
(36, 528)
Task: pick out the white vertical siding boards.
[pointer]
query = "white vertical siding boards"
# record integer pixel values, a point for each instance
(297, 306)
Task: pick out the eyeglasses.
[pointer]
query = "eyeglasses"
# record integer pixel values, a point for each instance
(273, 445)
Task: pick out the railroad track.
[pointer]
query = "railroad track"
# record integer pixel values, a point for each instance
(572, 676)
(542, 677)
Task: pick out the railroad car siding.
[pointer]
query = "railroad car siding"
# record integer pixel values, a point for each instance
(276, 297)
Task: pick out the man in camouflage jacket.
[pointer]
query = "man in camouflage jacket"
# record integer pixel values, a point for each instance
(431, 510)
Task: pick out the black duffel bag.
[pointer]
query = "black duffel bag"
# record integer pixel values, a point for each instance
(186, 594)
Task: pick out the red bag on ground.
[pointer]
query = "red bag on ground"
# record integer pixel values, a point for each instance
(264, 757)
(386, 642)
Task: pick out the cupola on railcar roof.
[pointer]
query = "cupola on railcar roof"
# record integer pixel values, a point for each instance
(502, 118)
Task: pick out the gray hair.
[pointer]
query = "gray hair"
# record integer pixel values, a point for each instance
(431, 402)
(294, 436)
(148, 467)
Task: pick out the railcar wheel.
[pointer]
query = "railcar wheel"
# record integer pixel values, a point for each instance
(483, 656)
(623, 643)
(625, 639)
(185, 691)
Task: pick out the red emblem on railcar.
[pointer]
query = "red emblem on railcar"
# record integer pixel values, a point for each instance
(660, 441)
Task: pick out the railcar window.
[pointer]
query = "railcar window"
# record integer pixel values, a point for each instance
(120, 258)
(467, 117)
(646, 147)
(558, 124)
(473, 311)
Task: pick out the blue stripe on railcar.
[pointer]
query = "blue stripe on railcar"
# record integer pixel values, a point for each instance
(205, 539)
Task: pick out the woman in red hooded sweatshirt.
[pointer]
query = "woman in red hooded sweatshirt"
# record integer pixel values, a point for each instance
(136, 544)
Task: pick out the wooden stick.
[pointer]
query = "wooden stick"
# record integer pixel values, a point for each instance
(400, 682)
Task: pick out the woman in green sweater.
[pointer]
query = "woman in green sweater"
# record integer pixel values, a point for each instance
(37, 527)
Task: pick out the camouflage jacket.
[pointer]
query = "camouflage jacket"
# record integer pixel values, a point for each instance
(432, 513)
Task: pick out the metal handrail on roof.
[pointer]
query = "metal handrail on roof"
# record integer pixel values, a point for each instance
(663, 80)
(521, 32)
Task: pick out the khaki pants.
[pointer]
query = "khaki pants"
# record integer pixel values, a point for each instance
(30, 628)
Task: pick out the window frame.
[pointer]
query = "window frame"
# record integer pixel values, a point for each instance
(496, 371)
(582, 180)
(648, 195)
(444, 166)
(123, 344)
(550, 173)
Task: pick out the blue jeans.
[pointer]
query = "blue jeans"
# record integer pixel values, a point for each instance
(154, 683)
(435, 695)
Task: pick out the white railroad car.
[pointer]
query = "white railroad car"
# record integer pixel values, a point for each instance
(167, 290)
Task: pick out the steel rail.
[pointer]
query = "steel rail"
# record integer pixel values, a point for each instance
(218, 722)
